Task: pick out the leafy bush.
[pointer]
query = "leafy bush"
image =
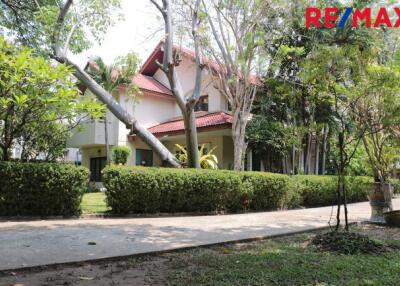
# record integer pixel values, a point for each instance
(207, 159)
(395, 185)
(120, 154)
(321, 190)
(41, 189)
(153, 190)
(269, 191)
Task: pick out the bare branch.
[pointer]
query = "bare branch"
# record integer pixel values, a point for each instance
(157, 5)
(55, 39)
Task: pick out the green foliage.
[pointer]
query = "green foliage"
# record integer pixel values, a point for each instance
(118, 74)
(120, 154)
(282, 262)
(377, 112)
(396, 185)
(152, 190)
(39, 103)
(267, 191)
(33, 23)
(321, 190)
(359, 165)
(41, 189)
(207, 160)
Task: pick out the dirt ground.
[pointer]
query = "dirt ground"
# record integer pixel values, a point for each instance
(144, 270)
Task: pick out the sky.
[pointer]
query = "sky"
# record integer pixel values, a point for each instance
(140, 32)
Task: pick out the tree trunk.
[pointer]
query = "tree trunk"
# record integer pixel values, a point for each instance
(106, 140)
(301, 161)
(4, 153)
(239, 144)
(115, 108)
(168, 66)
(293, 159)
(326, 131)
(316, 156)
(191, 139)
(308, 154)
(339, 203)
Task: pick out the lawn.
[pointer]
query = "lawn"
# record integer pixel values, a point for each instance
(280, 261)
(94, 203)
(283, 262)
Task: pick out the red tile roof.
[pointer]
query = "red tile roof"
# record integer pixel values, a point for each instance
(150, 66)
(203, 122)
(148, 83)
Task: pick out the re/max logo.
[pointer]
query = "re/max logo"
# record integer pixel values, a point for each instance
(357, 16)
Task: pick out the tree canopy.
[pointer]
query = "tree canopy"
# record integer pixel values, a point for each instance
(39, 102)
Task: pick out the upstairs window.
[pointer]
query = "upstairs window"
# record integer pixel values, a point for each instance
(202, 104)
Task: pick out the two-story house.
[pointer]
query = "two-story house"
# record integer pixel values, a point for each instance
(156, 109)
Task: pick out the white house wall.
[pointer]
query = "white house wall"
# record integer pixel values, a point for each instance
(186, 74)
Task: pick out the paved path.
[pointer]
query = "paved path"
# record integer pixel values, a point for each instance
(25, 244)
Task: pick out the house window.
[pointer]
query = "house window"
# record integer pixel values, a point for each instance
(202, 104)
(144, 157)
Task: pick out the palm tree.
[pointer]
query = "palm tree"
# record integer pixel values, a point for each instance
(110, 77)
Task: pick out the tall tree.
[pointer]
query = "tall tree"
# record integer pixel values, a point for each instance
(333, 72)
(118, 74)
(378, 111)
(235, 42)
(171, 61)
(58, 29)
(38, 103)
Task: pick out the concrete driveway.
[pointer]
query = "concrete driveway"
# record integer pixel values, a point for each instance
(26, 244)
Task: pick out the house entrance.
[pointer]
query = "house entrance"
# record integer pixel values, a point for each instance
(96, 165)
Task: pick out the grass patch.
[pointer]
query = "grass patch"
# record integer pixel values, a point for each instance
(94, 203)
(286, 261)
(290, 260)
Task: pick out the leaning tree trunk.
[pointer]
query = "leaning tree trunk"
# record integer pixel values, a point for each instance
(106, 140)
(129, 120)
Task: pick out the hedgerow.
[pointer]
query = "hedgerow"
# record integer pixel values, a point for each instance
(41, 189)
(154, 190)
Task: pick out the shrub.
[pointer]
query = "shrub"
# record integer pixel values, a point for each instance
(150, 190)
(269, 191)
(321, 190)
(153, 190)
(41, 189)
(395, 185)
(120, 154)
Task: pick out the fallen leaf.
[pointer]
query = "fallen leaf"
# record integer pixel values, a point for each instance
(85, 278)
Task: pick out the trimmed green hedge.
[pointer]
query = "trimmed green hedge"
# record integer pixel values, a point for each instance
(150, 190)
(41, 189)
(153, 190)
(321, 190)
